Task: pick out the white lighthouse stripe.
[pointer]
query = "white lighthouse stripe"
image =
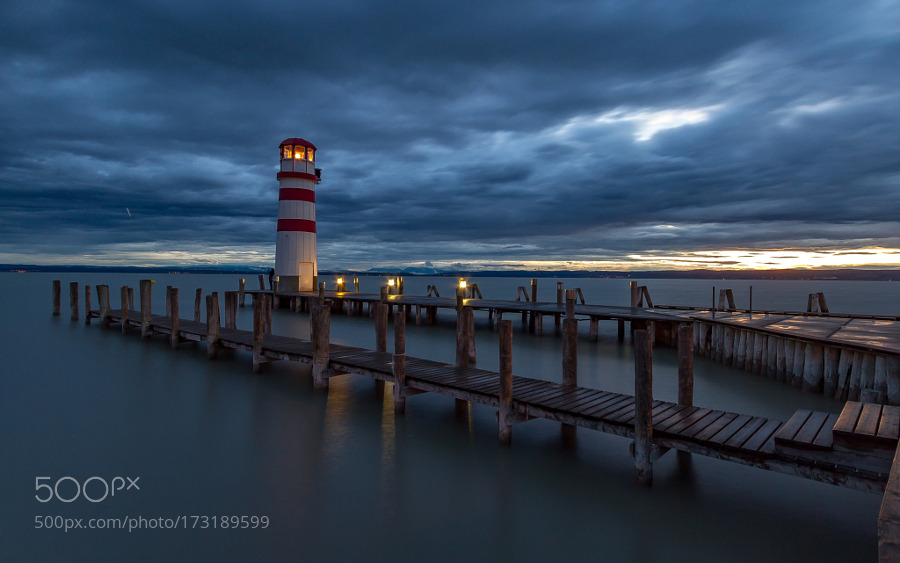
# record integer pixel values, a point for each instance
(297, 210)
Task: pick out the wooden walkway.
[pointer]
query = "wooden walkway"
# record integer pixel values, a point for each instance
(804, 446)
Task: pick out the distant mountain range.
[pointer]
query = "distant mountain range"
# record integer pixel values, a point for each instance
(793, 274)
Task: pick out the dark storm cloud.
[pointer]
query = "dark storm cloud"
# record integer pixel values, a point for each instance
(465, 131)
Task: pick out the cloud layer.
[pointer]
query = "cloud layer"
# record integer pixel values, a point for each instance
(614, 133)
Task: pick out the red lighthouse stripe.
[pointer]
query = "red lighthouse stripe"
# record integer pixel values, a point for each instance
(296, 194)
(301, 175)
(301, 225)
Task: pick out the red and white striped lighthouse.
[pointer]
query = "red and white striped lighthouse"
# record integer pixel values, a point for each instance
(295, 244)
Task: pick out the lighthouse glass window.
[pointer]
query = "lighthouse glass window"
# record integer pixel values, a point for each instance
(299, 151)
(286, 151)
(311, 154)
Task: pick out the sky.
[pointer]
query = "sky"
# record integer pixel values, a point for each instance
(570, 134)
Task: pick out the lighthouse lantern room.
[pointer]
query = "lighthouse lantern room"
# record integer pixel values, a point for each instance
(295, 242)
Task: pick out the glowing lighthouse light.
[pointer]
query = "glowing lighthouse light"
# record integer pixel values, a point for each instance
(295, 244)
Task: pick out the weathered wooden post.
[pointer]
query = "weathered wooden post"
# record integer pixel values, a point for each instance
(131, 298)
(124, 298)
(621, 329)
(231, 302)
(635, 293)
(262, 284)
(87, 304)
(559, 301)
(103, 301)
(380, 313)
(320, 337)
(146, 286)
(258, 331)
(56, 291)
(462, 342)
(174, 339)
(570, 342)
(470, 333)
(73, 300)
(276, 301)
(686, 364)
(168, 300)
(643, 407)
(533, 317)
(267, 319)
(198, 296)
(505, 413)
(570, 355)
(241, 292)
(212, 325)
(399, 361)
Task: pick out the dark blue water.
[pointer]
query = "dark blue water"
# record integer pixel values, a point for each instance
(340, 478)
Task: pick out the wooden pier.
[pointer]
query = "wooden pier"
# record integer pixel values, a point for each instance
(856, 448)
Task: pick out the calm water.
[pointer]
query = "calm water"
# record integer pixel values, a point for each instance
(341, 479)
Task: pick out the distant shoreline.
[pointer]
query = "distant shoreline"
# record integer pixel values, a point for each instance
(787, 274)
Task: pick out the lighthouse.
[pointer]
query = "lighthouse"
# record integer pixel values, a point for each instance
(295, 242)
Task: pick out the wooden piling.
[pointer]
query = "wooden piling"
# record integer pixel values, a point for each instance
(814, 367)
(881, 378)
(842, 390)
(381, 322)
(643, 407)
(262, 284)
(780, 359)
(168, 300)
(470, 334)
(399, 364)
(267, 313)
(462, 346)
(146, 288)
(56, 291)
(855, 376)
(103, 303)
(685, 365)
(276, 301)
(198, 296)
(505, 412)
(131, 298)
(892, 369)
(560, 294)
(174, 338)
(771, 356)
(533, 317)
(799, 363)
(231, 304)
(570, 343)
(321, 339)
(594, 330)
(73, 300)
(242, 292)
(258, 332)
(212, 325)
(830, 372)
(728, 350)
(87, 304)
(124, 299)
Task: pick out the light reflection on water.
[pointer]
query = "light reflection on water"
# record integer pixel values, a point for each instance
(342, 479)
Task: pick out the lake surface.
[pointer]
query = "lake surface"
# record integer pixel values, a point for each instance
(340, 478)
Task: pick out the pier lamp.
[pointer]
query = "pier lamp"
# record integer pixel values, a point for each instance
(391, 286)
(340, 284)
(462, 283)
(295, 242)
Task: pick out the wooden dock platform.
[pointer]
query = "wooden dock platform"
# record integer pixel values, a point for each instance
(857, 448)
(799, 447)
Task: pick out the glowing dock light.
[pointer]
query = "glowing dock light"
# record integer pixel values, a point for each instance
(462, 283)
